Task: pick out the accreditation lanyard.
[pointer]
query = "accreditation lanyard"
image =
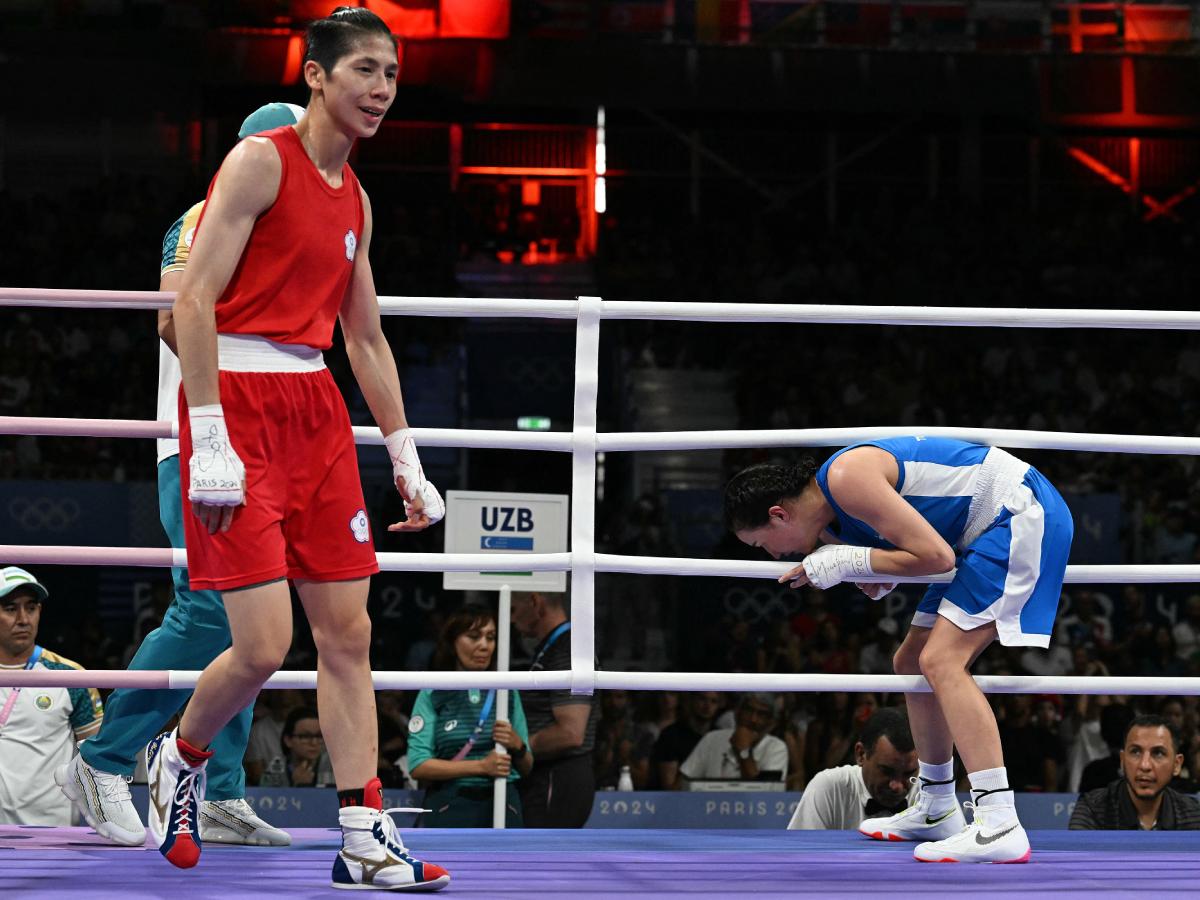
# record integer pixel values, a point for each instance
(554, 636)
(483, 717)
(16, 692)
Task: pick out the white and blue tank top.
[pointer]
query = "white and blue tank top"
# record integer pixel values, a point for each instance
(959, 488)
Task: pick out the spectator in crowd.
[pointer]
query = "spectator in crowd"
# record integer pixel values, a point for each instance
(562, 727)
(746, 752)
(1173, 541)
(1172, 709)
(880, 646)
(302, 760)
(1028, 732)
(782, 651)
(656, 711)
(791, 726)
(1142, 798)
(653, 712)
(831, 735)
(1050, 661)
(1085, 624)
(393, 740)
(678, 740)
(616, 739)
(1162, 658)
(880, 782)
(266, 733)
(1114, 723)
(1187, 630)
(1083, 740)
(39, 727)
(454, 737)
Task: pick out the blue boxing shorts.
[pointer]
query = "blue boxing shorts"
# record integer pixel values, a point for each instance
(1012, 574)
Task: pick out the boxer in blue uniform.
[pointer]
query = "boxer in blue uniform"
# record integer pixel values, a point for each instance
(915, 506)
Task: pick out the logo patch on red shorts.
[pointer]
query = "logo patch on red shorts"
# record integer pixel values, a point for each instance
(360, 527)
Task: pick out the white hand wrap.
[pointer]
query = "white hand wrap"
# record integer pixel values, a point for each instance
(835, 563)
(407, 465)
(216, 476)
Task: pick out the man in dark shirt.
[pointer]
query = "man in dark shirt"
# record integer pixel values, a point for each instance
(562, 726)
(679, 739)
(1142, 798)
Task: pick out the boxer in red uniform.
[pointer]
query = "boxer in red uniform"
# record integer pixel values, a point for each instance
(267, 450)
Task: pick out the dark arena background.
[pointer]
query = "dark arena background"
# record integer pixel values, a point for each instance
(983, 155)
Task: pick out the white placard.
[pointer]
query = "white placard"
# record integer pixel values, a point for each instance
(496, 522)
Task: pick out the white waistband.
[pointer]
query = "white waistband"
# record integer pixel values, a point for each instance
(999, 474)
(250, 353)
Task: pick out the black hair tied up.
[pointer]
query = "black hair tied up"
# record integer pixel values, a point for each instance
(327, 40)
(752, 492)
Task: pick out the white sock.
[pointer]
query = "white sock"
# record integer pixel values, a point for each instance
(991, 793)
(935, 772)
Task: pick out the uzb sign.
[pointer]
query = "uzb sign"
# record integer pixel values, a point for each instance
(483, 522)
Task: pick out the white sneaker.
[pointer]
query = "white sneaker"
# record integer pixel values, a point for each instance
(104, 801)
(374, 857)
(919, 822)
(980, 842)
(176, 792)
(234, 822)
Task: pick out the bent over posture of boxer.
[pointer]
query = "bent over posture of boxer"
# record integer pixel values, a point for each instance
(914, 506)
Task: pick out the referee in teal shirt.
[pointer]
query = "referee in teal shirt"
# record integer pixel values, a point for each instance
(452, 735)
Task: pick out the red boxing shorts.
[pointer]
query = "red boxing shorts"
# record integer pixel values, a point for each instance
(304, 515)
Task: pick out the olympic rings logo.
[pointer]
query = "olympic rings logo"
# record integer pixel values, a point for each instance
(757, 604)
(44, 513)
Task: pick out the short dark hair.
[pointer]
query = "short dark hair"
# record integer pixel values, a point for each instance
(289, 724)
(890, 722)
(468, 616)
(1150, 720)
(752, 492)
(327, 40)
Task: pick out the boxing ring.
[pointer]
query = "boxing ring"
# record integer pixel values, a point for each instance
(606, 863)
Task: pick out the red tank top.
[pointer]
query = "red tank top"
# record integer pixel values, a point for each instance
(293, 274)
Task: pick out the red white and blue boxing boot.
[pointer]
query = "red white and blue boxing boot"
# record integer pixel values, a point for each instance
(176, 792)
(373, 857)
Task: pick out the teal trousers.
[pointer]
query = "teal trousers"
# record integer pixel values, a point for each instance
(194, 631)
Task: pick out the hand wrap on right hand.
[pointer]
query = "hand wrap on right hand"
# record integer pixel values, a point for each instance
(407, 465)
(216, 476)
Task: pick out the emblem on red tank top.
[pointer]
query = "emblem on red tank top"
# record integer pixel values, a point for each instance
(351, 244)
(360, 527)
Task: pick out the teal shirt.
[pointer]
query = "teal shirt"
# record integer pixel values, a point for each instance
(442, 721)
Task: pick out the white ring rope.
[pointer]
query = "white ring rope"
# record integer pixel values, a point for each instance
(607, 563)
(614, 442)
(809, 313)
(584, 443)
(175, 679)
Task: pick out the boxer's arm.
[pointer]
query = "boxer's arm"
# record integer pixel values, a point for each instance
(863, 482)
(864, 485)
(246, 186)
